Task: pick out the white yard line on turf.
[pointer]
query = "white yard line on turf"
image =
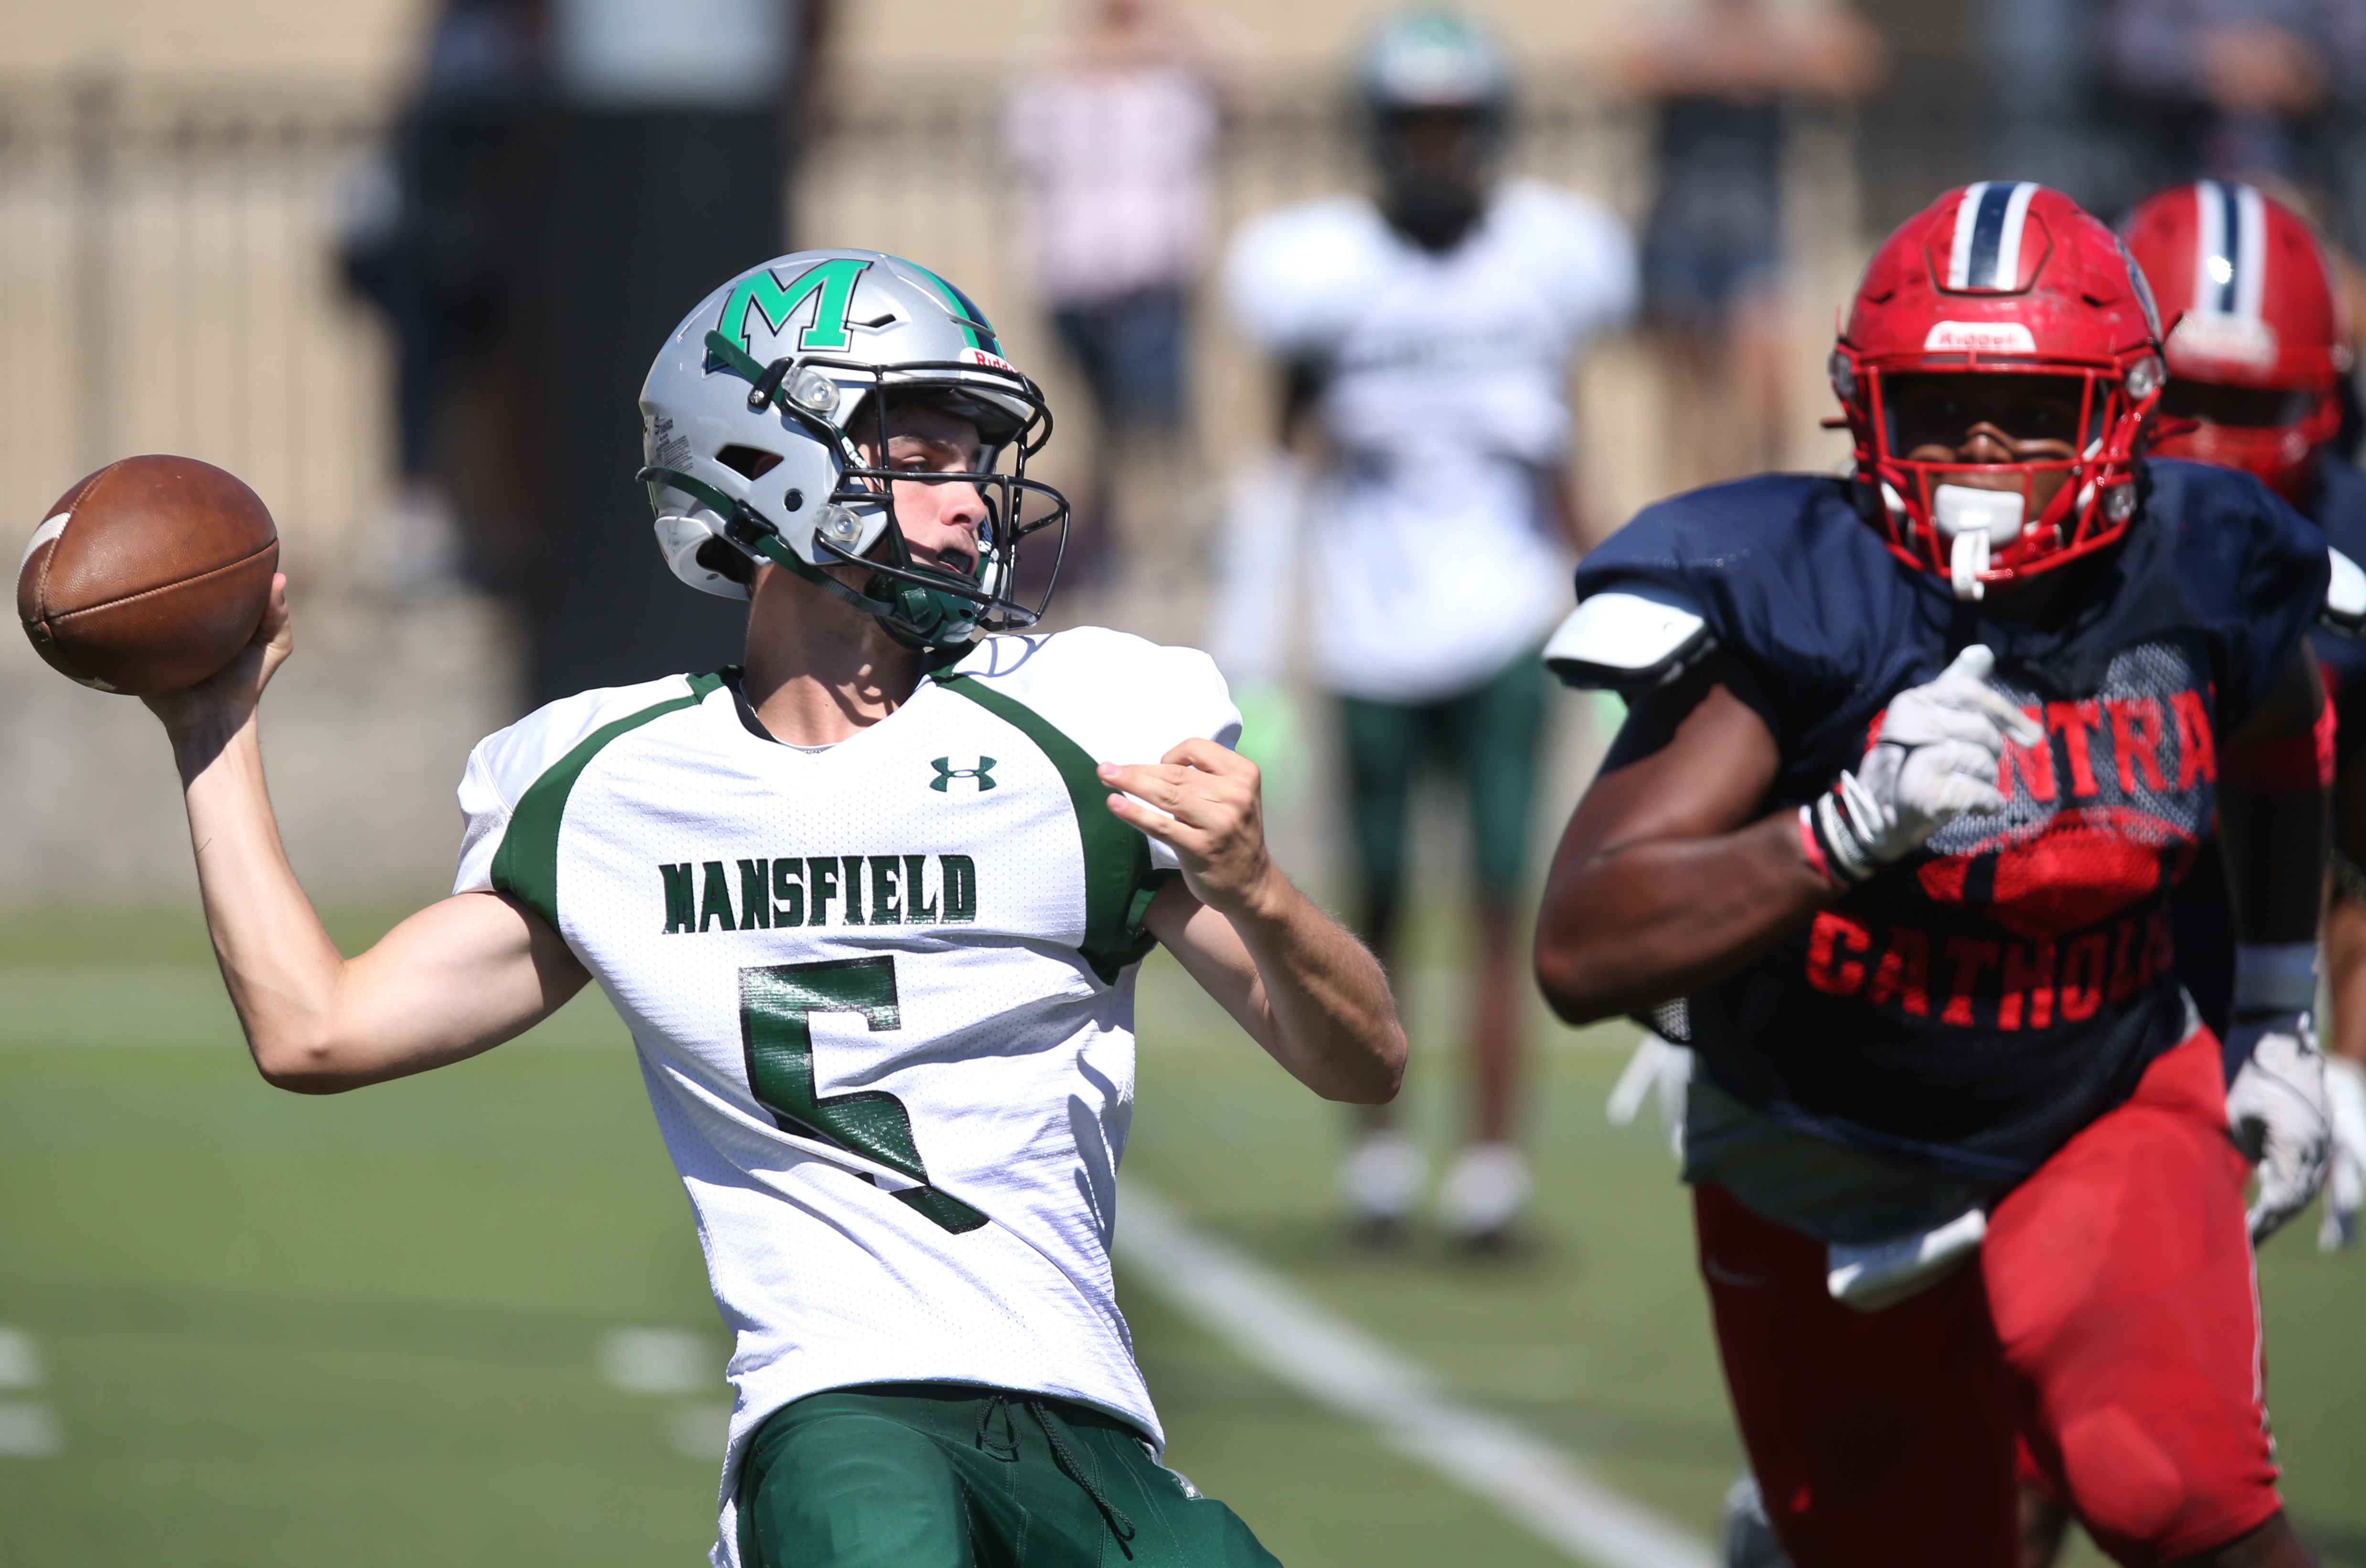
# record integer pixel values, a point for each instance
(1322, 1354)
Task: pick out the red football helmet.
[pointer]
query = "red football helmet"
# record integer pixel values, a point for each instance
(2001, 278)
(2256, 336)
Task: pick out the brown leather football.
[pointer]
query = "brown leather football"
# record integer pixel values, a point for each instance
(149, 576)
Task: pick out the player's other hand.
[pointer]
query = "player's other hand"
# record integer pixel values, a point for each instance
(2277, 1112)
(1936, 760)
(1204, 803)
(205, 714)
(2345, 1189)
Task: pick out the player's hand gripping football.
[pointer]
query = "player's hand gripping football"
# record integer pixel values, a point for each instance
(2276, 1112)
(201, 718)
(1934, 760)
(1208, 810)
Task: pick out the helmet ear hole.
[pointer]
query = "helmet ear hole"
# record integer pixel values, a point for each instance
(748, 462)
(718, 557)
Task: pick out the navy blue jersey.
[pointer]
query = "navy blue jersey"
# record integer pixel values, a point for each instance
(1979, 1001)
(2200, 917)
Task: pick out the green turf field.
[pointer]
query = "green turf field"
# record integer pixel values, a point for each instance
(275, 1330)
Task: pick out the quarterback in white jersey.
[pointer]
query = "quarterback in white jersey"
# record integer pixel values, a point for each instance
(1428, 339)
(870, 907)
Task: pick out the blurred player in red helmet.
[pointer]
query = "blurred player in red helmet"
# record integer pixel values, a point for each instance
(1915, 757)
(2258, 346)
(2258, 343)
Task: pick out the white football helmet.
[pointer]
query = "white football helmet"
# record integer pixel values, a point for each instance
(1417, 66)
(1433, 58)
(756, 412)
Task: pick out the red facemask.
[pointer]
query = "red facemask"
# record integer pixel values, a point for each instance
(2003, 279)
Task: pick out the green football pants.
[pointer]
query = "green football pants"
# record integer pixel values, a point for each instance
(949, 1475)
(1490, 736)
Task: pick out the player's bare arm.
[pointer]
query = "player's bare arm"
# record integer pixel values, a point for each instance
(1304, 989)
(1670, 874)
(455, 978)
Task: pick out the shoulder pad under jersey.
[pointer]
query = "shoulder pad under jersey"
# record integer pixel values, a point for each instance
(1629, 640)
(2344, 597)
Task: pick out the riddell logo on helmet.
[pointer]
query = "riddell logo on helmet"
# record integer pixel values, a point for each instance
(1979, 336)
(979, 356)
(2215, 335)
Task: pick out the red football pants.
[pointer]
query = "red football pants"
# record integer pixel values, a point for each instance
(2112, 1324)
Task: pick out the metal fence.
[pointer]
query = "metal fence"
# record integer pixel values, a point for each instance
(167, 281)
(166, 285)
(931, 185)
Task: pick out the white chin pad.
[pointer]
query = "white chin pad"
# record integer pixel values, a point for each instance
(1959, 509)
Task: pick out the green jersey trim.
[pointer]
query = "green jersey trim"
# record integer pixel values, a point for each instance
(526, 865)
(1120, 880)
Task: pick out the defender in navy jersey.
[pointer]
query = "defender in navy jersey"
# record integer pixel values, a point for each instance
(1915, 761)
(2258, 351)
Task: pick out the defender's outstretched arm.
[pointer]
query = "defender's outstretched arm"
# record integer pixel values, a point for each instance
(457, 978)
(1302, 987)
(1668, 876)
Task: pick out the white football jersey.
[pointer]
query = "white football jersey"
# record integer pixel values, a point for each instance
(1433, 556)
(883, 995)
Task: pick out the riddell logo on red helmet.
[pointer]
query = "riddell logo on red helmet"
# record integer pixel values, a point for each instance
(2215, 337)
(1979, 336)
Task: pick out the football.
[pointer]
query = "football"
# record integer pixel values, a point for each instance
(148, 575)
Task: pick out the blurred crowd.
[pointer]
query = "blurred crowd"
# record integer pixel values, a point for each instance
(1112, 141)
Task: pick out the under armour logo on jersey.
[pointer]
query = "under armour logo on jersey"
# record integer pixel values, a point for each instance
(947, 773)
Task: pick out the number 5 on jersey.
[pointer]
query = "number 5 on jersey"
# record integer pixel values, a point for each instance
(775, 1003)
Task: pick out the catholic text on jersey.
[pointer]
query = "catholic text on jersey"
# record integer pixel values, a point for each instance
(2058, 903)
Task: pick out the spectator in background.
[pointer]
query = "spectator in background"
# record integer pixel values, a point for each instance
(1110, 146)
(1712, 248)
(2249, 90)
(430, 236)
(1425, 341)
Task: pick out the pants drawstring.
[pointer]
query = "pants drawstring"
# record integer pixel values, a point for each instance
(1007, 1449)
(1119, 1525)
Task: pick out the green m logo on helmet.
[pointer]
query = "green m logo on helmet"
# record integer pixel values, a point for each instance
(829, 283)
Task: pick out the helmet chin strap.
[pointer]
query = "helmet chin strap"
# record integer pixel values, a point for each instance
(1966, 565)
(930, 620)
(916, 616)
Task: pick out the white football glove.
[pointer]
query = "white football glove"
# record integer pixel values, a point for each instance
(2276, 1109)
(2345, 1189)
(1663, 1071)
(1936, 760)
